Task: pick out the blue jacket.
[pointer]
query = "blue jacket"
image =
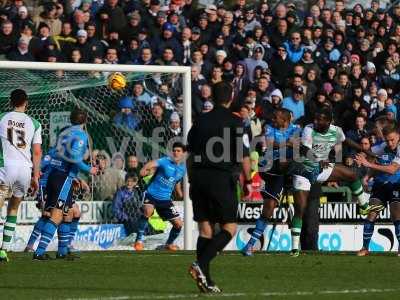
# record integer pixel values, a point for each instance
(294, 54)
(126, 120)
(125, 203)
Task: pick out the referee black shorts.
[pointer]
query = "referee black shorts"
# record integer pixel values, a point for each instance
(214, 197)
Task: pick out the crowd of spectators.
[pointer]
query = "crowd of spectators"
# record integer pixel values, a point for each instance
(347, 58)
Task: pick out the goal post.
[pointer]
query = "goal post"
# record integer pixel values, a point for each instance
(7, 69)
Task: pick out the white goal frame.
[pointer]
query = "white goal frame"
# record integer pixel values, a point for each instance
(187, 109)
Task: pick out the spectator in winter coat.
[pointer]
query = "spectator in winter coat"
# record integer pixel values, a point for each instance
(127, 204)
(294, 48)
(257, 60)
(126, 118)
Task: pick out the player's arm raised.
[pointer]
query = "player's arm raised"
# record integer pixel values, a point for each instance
(148, 168)
(390, 169)
(78, 150)
(350, 143)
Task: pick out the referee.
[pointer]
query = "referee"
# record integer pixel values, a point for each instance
(218, 147)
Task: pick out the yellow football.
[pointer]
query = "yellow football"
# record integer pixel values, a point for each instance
(116, 81)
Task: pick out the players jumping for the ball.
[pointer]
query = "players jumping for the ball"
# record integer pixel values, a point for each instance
(281, 135)
(386, 185)
(317, 141)
(168, 172)
(72, 144)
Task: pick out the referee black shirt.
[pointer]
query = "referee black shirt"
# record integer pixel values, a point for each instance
(217, 145)
(217, 141)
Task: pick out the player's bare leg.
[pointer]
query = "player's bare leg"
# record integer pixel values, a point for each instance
(342, 173)
(300, 204)
(9, 226)
(148, 210)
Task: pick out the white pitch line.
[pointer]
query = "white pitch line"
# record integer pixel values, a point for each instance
(236, 295)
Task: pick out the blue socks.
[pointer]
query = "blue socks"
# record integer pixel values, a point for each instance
(63, 238)
(261, 224)
(48, 230)
(367, 233)
(72, 230)
(142, 226)
(36, 232)
(173, 234)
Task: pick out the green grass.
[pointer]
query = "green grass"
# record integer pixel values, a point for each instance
(160, 275)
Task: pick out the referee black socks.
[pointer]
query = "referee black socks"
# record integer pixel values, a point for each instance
(215, 245)
(202, 243)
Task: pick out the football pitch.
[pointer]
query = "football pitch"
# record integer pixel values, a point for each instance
(163, 275)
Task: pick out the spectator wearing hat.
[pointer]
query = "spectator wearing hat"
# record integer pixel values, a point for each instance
(213, 23)
(205, 32)
(83, 45)
(22, 52)
(8, 38)
(125, 117)
(390, 77)
(49, 16)
(320, 99)
(22, 18)
(295, 104)
(132, 28)
(251, 20)
(281, 67)
(174, 127)
(308, 62)
(112, 16)
(167, 40)
(381, 58)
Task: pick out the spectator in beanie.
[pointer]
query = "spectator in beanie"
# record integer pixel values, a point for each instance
(126, 118)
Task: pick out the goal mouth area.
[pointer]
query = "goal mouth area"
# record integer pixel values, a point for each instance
(54, 89)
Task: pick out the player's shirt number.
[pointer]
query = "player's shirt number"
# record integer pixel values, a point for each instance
(17, 136)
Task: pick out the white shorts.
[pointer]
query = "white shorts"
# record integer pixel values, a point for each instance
(301, 183)
(17, 178)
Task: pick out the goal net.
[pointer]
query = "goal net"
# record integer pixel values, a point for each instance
(127, 128)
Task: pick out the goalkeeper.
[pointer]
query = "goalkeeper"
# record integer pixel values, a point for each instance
(169, 171)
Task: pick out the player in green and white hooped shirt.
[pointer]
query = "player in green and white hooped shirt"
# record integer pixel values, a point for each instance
(317, 141)
(20, 152)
